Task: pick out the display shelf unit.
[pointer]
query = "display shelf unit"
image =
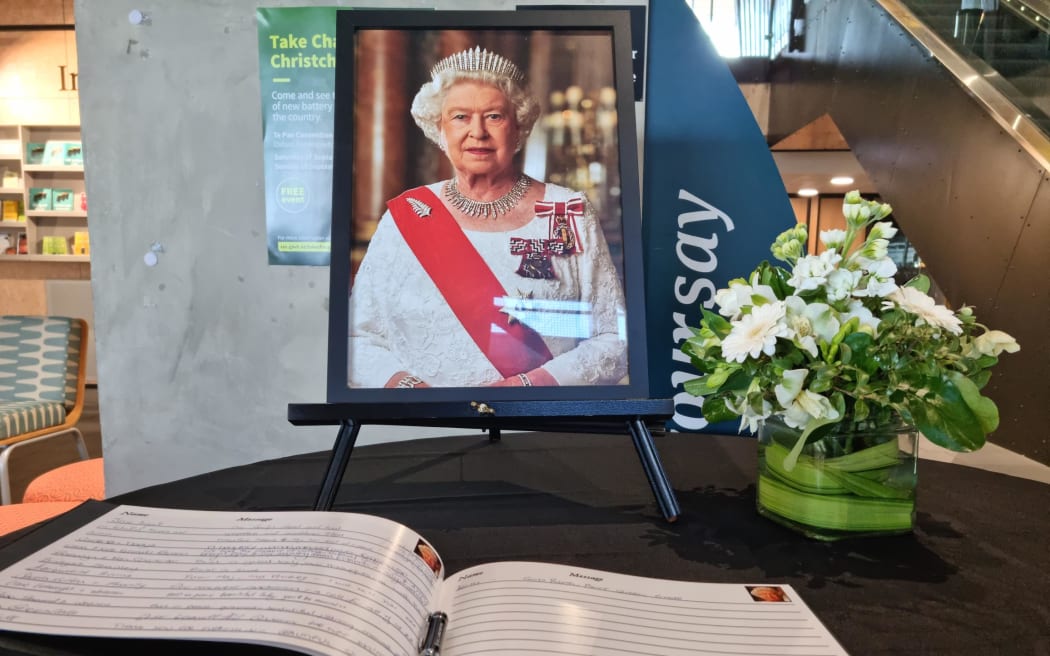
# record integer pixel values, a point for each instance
(54, 164)
(11, 188)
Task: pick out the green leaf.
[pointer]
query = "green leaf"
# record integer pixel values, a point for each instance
(864, 487)
(981, 378)
(982, 406)
(775, 278)
(715, 410)
(838, 512)
(845, 353)
(692, 349)
(860, 410)
(737, 381)
(920, 282)
(860, 346)
(779, 283)
(716, 378)
(709, 384)
(945, 418)
(814, 424)
(717, 323)
(986, 361)
(804, 475)
(695, 387)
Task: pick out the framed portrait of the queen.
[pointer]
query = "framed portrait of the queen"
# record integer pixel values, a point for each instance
(486, 229)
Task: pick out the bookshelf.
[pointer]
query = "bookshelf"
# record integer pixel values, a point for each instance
(42, 194)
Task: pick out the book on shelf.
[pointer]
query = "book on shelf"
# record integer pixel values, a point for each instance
(72, 153)
(81, 243)
(55, 153)
(40, 198)
(10, 178)
(55, 245)
(329, 583)
(35, 152)
(62, 199)
(12, 210)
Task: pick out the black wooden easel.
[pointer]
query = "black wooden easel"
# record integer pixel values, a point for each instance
(633, 416)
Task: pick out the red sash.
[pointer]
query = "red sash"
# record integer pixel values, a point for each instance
(469, 287)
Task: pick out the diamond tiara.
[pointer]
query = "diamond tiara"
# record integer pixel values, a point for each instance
(479, 59)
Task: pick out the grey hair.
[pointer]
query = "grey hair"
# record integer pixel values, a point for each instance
(426, 106)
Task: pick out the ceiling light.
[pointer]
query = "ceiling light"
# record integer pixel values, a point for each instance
(808, 191)
(842, 180)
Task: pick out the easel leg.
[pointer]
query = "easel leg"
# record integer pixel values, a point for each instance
(344, 445)
(654, 469)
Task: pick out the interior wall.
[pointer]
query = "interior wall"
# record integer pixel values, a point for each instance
(972, 202)
(198, 356)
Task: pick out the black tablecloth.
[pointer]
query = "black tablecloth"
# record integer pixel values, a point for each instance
(973, 578)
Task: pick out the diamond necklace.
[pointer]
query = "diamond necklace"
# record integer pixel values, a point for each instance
(491, 209)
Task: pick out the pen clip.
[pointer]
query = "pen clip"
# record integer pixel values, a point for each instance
(430, 645)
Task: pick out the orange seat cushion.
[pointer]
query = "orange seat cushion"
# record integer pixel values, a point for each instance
(78, 481)
(20, 515)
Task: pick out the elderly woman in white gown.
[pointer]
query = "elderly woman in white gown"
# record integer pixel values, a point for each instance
(490, 277)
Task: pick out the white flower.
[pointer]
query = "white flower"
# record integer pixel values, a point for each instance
(811, 271)
(755, 333)
(925, 308)
(790, 386)
(868, 322)
(799, 325)
(738, 295)
(851, 206)
(808, 321)
(871, 251)
(880, 278)
(751, 417)
(995, 342)
(877, 288)
(882, 230)
(882, 268)
(841, 283)
(800, 405)
(833, 238)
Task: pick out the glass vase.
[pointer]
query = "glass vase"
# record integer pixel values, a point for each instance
(850, 482)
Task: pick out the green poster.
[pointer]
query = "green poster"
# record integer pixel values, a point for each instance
(297, 78)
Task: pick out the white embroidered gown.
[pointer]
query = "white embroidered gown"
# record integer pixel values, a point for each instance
(399, 321)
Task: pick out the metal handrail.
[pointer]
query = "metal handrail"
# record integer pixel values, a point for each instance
(1034, 12)
(981, 81)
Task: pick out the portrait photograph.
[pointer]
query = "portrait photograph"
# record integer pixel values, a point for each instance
(767, 593)
(485, 206)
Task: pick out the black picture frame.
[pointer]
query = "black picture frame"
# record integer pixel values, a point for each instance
(419, 27)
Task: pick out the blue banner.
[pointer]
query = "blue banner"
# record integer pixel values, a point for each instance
(712, 199)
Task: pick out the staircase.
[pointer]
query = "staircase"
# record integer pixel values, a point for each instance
(1011, 41)
(968, 178)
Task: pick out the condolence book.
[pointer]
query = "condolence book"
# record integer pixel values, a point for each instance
(332, 584)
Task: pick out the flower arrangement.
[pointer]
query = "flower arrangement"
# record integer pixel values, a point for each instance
(833, 339)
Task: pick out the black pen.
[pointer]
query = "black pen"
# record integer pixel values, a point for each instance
(431, 643)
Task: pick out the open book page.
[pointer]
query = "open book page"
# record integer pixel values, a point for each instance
(318, 583)
(532, 608)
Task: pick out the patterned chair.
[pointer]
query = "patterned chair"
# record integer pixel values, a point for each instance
(42, 370)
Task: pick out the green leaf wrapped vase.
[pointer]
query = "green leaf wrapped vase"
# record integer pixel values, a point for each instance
(851, 481)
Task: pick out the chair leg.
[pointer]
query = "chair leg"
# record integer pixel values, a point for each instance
(5, 455)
